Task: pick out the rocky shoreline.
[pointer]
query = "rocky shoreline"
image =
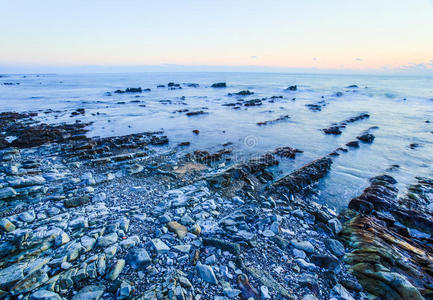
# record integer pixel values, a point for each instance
(129, 218)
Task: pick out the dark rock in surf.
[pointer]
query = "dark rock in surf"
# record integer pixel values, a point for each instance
(219, 85)
(287, 152)
(366, 138)
(131, 90)
(292, 88)
(306, 175)
(196, 113)
(241, 93)
(353, 144)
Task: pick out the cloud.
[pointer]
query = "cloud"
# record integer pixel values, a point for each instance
(358, 59)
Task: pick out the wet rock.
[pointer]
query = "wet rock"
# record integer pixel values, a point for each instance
(44, 295)
(160, 246)
(30, 282)
(339, 291)
(332, 130)
(10, 275)
(264, 292)
(305, 265)
(303, 245)
(316, 108)
(361, 205)
(130, 242)
(107, 240)
(241, 93)
(287, 152)
(309, 297)
(325, 261)
(224, 245)
(279, 119)
(206, 273)
(125, 290)
(306, 175)
(335, 225)
(219, 85)
(138, 258)
(177, 228)
(77, 201)
(335, 247)
(366, 138)
(247, 290)
(253, 102)
(389, 262)
(353, 144)
(90, 292)
(7, 192)
(336, 127)
(129, 90)
(61, 239)
(352, 285)
(292, 88)
(196, 113)
(116, 269)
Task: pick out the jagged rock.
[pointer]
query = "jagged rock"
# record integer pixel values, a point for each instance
(138, 258)
(61, 239)
(116, 269)
(107, 240)
(90, 292)
(88, 243)
(11, 275)
(44, 295)
(30, 282)
(336, 127)
(335, 247)
(386, 259)
(219, 85)
(125, 290)
(306, 175)
(366, 138)
(241, 93)
(130, 242)
(325, 261)
(292, 88)
(7, 192)
(206, 273)
(160, 246)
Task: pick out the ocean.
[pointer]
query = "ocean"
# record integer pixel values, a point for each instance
(400, 106)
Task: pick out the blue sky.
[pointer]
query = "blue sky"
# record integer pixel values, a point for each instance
(318, 35)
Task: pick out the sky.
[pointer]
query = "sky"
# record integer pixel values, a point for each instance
(339, 35)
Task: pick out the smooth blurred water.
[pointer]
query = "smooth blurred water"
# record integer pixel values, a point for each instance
(398, 105)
